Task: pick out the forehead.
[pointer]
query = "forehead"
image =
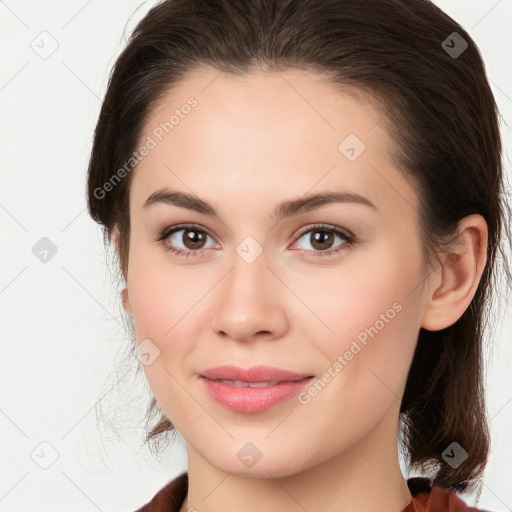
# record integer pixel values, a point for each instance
(299, 100)
(283, 131)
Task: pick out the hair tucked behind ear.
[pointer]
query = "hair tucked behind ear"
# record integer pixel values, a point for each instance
(440, 111)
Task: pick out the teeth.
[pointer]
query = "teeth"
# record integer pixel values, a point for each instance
(242, 384)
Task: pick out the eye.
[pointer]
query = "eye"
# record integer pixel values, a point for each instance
(190, 236)
(321, 239)
(194, 240)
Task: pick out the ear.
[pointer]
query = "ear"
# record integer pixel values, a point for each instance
(453, 284)
(115, 237)
(124, 293)
(126, 301)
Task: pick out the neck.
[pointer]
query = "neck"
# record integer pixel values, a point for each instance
(363, 478)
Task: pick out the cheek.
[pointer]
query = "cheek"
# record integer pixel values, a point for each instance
(163, 297)
(368, 321)
(164, 303)
(366, 296)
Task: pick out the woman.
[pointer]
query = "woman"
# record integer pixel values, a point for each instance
(306, 201)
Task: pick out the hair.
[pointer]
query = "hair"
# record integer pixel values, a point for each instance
(442, 116)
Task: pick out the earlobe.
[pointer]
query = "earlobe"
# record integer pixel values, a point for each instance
(458, 276)
(126, 301)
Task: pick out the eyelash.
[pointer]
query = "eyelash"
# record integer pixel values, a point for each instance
(349, 239)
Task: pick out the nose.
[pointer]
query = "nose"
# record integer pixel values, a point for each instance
(250, 302)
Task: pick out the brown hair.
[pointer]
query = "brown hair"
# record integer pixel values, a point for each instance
(442, 115)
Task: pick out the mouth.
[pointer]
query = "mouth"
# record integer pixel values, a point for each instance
(243, 384)
(252, 390)
(253, 375)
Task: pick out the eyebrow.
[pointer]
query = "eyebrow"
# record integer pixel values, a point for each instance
(285, 209)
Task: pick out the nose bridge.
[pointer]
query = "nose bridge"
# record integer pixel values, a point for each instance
(248, 279)
(247, 303)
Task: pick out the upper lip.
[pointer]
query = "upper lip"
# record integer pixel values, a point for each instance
(254, 374)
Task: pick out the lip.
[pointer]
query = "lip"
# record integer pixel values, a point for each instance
(253, 374)
(282, 384)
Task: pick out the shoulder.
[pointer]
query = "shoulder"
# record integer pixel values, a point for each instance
(425, 497)
(434, 498)
(169, 498)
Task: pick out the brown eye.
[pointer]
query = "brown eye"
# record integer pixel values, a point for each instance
(321, 240)
(186, 240)
(193, 238)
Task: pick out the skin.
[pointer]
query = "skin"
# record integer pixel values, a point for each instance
(250, 143)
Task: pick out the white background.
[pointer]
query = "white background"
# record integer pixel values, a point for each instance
(62, 338)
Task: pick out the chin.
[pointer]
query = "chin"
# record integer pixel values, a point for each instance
(259, 460)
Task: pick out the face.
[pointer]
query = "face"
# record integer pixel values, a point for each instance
(329, 289)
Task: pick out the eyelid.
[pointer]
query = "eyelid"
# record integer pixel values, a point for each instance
(348, 240)
(166, 231)
(327, 227)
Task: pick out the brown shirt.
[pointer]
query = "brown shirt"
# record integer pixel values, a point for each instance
(425, 498)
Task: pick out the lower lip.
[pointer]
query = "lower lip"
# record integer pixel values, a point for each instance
(252, 400)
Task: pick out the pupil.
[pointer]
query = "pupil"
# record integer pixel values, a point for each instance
(194, 238)
(320, 238)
